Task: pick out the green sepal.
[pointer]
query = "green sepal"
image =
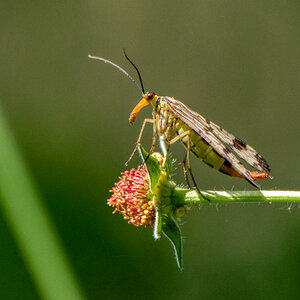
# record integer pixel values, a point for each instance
(157, 226)
(150, 196)
(152, 165)
(172, 231)
(167, 164)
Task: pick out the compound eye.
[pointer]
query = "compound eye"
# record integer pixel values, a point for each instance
(150, 95)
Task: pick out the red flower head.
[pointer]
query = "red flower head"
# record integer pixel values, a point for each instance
(130, 197)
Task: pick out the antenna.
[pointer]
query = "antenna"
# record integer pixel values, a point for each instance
(140, 77)
(120, 69)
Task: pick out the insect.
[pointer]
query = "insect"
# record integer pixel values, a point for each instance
(206, 140)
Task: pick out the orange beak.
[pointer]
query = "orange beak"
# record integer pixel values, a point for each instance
(136, 110)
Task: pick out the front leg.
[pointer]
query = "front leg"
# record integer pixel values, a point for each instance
(155, 131)
(140, 137)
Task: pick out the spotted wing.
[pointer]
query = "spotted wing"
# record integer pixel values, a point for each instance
(236, 145)
(208, 133)
(242, 149)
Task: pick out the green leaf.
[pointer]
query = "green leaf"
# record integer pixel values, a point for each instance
(153, 167)
(172, 231)
(168, 166)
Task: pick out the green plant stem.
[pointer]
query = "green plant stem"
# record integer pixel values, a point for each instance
(31, 226)
(190, 197)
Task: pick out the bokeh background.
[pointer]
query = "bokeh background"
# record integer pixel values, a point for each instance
(235, 62)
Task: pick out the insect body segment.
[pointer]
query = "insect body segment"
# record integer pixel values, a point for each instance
(148, 98)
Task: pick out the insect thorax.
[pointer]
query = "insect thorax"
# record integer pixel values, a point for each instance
(171, 125)
(168, 123)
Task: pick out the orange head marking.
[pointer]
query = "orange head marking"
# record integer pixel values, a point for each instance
(144, 102)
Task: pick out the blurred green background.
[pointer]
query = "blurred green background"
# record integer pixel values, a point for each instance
(235, 62)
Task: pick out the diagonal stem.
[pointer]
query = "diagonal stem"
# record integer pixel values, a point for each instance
(33, 230)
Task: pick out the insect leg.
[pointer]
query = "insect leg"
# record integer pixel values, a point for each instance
(154, 138)
(179, 137)
(183, 163)
(186, 157)
(139, 138)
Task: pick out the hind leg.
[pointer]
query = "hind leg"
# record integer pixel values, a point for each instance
(187, 156)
